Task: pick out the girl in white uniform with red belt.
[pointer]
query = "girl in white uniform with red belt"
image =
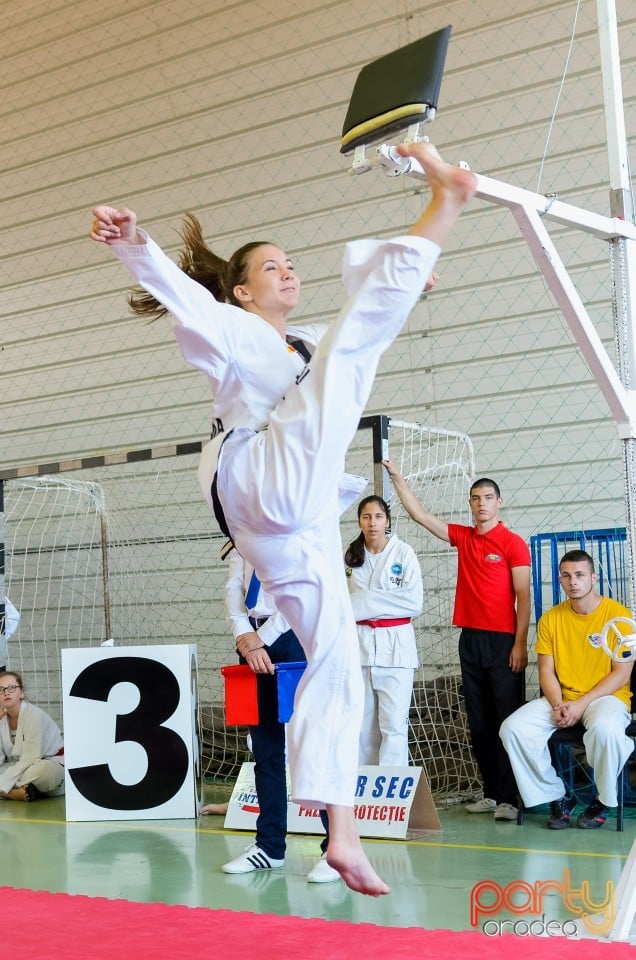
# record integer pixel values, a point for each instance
(287, 429)
(385, 584)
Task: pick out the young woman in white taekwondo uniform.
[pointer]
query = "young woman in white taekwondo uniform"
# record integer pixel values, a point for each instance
(287, 427)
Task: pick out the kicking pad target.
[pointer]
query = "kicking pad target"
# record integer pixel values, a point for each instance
(396, 91)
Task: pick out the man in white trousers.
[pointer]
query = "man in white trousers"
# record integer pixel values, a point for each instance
(580, 684)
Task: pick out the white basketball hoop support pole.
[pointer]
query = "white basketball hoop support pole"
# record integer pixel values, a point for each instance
(622, 253)
(623, 267)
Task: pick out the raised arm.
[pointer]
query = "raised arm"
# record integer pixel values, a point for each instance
(415, 510)
(204, 327)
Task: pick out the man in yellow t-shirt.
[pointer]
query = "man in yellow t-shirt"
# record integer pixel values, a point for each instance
(580, 683)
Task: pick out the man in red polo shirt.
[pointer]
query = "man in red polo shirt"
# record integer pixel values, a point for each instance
(492, 608)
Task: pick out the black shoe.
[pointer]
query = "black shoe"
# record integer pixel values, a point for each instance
(560, 811)
(593, 816)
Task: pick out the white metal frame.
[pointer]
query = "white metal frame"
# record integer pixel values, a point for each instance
(530, 210)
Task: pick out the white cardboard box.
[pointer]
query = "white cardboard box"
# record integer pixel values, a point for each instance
(131, 732)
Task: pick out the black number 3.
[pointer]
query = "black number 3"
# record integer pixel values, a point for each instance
(167, 753)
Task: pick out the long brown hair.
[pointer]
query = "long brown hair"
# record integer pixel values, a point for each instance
(200, 262)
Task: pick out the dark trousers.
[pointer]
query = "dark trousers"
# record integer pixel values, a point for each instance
(268, 747)
(491, 693)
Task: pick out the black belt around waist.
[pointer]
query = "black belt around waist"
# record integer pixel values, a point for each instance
(257, 622)
(216, 503)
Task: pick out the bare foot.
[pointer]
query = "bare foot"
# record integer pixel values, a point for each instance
(353, 866)
(218, 809)
(451, 189)
(439, 173)
(16, 793)
(345, 853)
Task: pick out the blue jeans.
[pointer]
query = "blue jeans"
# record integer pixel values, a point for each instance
(268, 747)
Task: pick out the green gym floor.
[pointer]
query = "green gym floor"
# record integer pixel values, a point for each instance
(431, 878)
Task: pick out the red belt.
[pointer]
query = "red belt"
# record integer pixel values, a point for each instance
(396, 622)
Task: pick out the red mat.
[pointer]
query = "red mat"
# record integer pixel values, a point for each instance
(56, 926)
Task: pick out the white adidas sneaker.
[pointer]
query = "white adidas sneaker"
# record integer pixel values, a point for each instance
(252, 859)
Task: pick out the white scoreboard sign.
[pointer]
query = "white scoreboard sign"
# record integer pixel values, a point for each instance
(389, 802)
(131, 732)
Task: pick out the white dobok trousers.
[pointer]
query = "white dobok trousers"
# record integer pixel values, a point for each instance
(384, 735)
(525, 734)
